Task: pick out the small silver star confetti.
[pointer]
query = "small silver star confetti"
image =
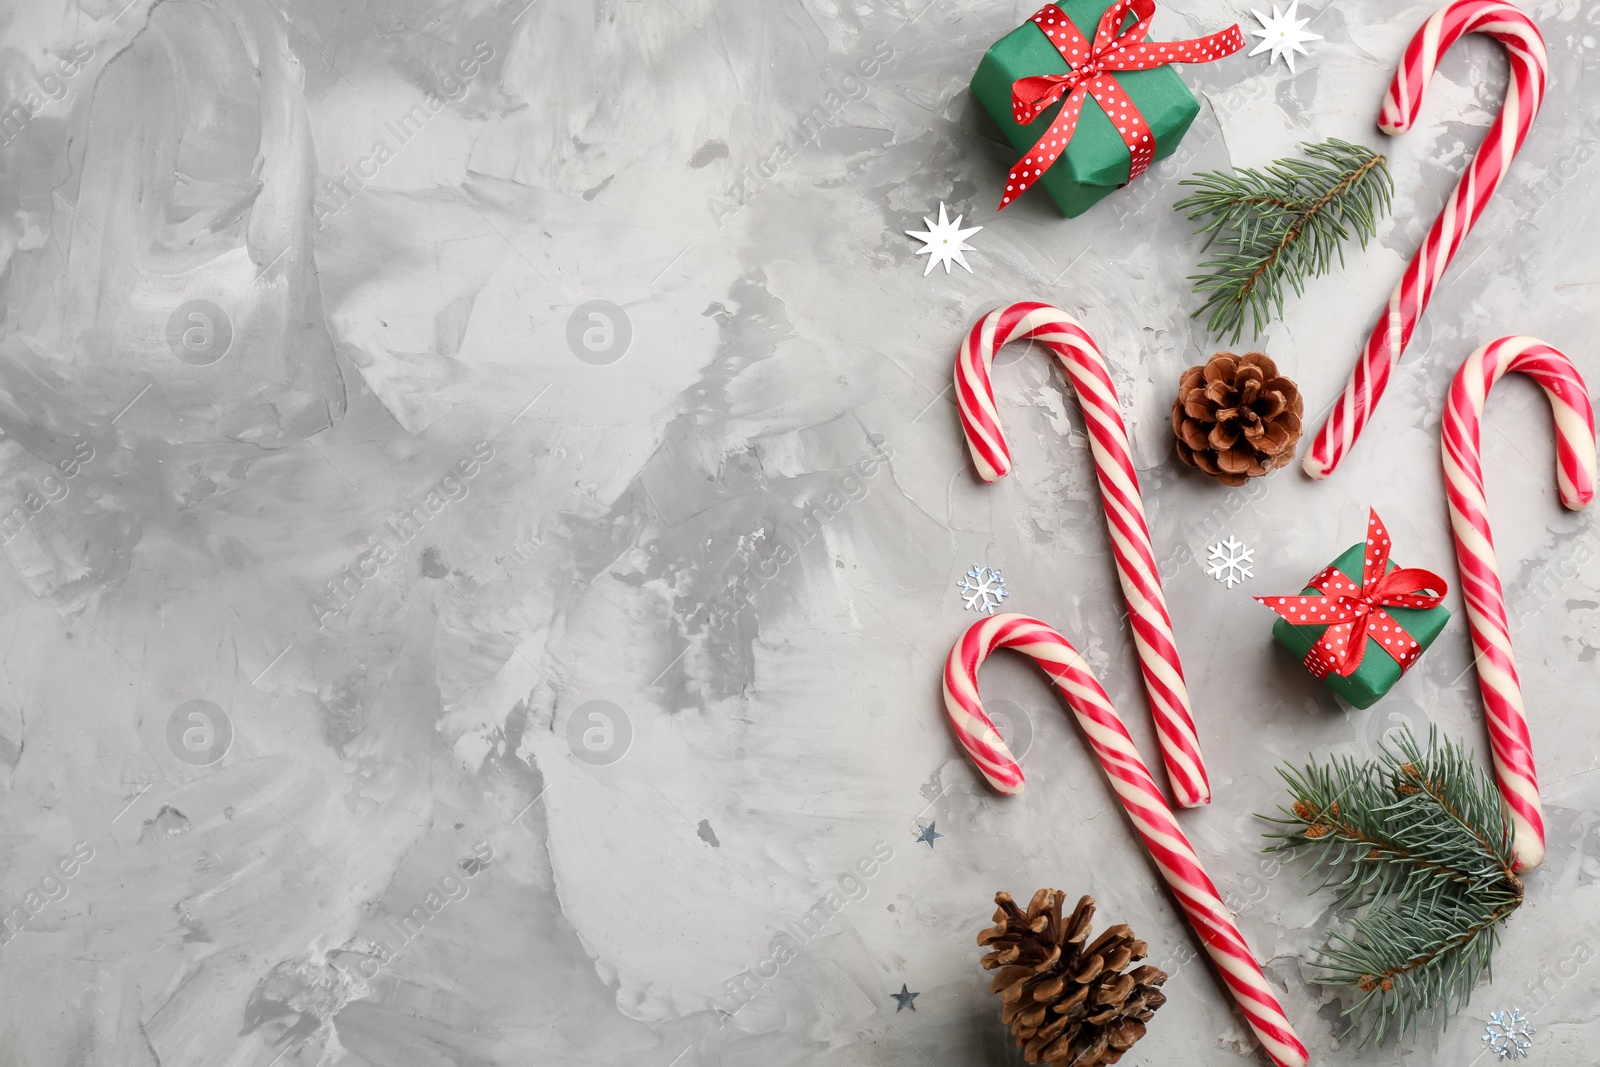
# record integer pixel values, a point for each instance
(1283, 34)
(927, 834)
(944, 241)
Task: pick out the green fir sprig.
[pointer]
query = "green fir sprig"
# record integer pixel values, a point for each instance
(1270, 230)
(1417, 846)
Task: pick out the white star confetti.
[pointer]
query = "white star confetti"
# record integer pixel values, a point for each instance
(982, 590)
(1283, 34)
(1230, 562)
(1508, 1034)
(944, 241)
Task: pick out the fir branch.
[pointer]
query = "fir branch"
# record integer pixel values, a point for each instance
(1279, 226)
(1418, 844)
(1408, 962)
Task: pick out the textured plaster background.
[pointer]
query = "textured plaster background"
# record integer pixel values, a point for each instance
(310, 417)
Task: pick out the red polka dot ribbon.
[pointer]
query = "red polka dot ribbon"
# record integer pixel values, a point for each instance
(1352, 614)
(1090, 76)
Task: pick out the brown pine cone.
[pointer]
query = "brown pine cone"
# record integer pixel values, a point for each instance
(1235, 418)
(1068, 1004)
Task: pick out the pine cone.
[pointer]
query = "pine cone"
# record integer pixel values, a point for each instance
(1235, 418)
(1067, 1004)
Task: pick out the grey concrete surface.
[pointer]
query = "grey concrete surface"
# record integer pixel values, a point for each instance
(524, 430)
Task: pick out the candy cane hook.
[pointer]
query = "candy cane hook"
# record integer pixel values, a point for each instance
(1137, 569)
(1524, 93)
(1480, 577)
(1140, 797)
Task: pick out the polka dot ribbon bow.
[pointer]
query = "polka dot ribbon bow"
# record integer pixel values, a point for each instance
(1353, 614)
(1090, 76)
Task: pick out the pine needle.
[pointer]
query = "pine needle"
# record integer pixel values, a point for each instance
(1270, 230)
(1417, 845)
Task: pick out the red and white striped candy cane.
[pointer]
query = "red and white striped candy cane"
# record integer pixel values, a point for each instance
(1524, 93)
(1140, 797)
(1480, 577)
(1119, 492)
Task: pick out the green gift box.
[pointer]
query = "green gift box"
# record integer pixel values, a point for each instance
(1378, 670)
(1097, 160)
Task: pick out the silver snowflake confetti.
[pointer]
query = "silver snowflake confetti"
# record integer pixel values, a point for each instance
(944, 241)
(982, 590)
(1229, 562)
(1508, 1034)
(1283, 34)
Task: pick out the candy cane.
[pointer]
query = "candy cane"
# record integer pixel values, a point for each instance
(1525, 92)
(1140, 797)
(1119, 492)
(1480, 577)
